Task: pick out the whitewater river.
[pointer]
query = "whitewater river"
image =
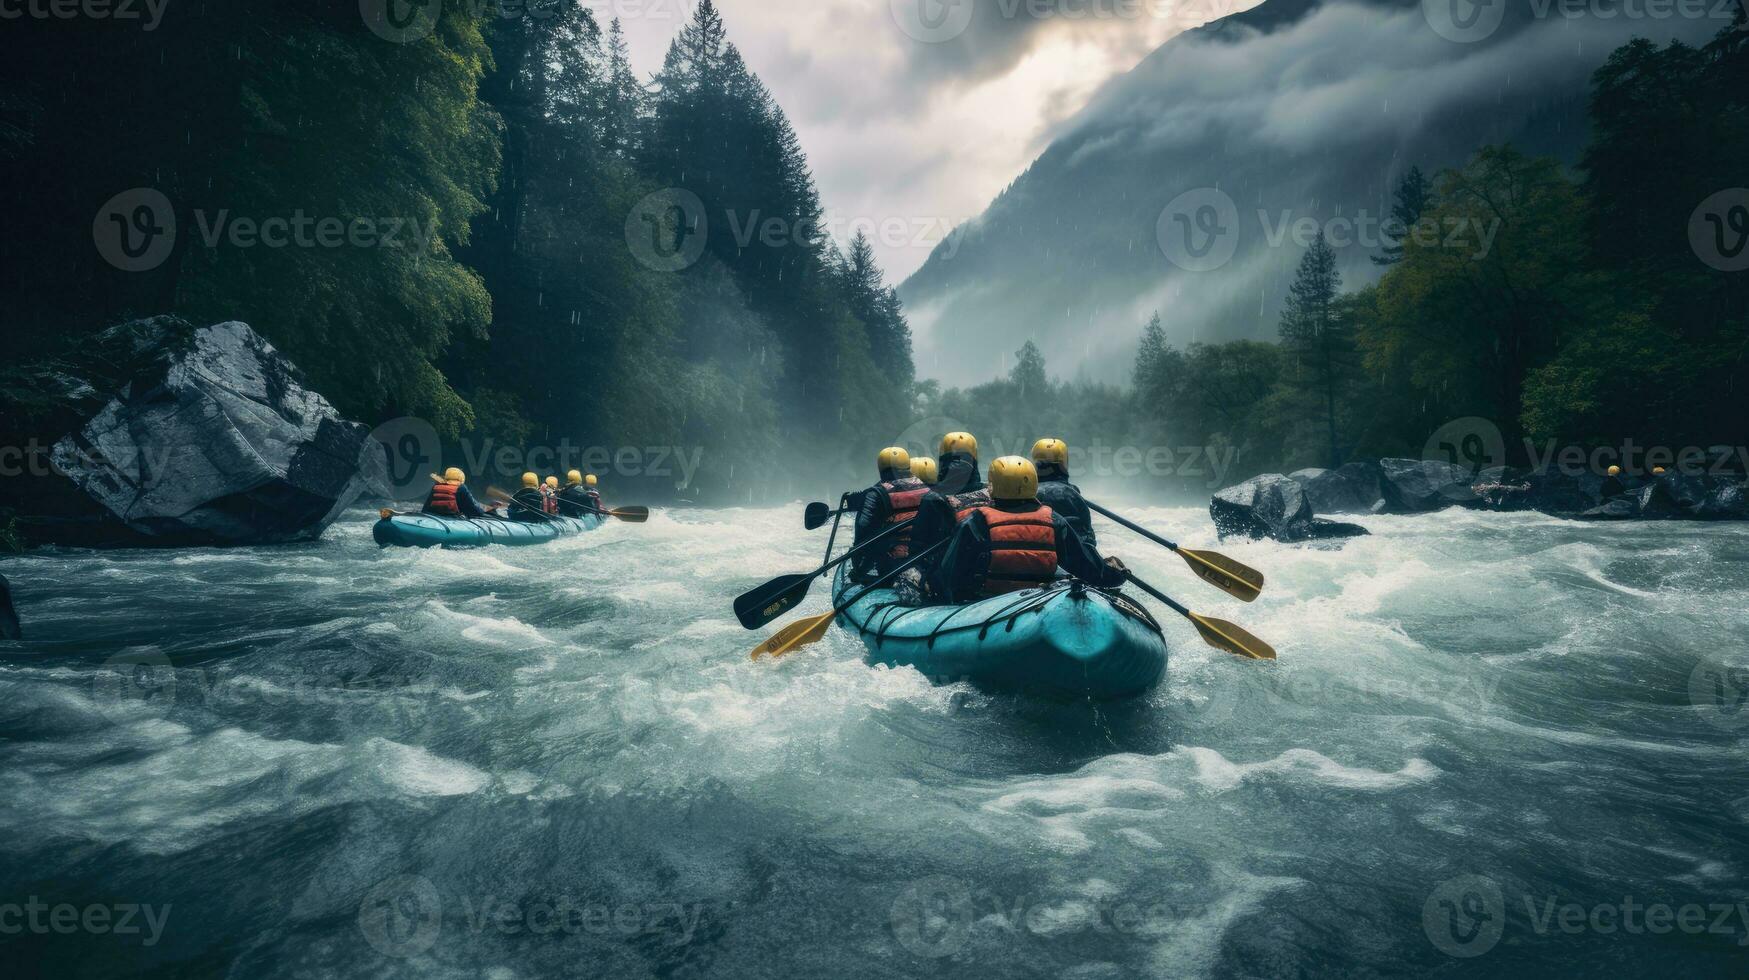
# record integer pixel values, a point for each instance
(1493, 744)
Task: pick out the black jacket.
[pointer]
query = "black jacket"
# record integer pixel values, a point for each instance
(877, 510)
(530, 512)
(574, 501)
(1062, 497)
(960, 574)
(464, 502)
(960, 486)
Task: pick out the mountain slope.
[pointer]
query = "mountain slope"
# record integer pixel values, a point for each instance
(1288, 111)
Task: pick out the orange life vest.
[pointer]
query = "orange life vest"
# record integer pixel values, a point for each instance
(443, 500)
(549, 501)
(964, 503)
(904, 496)
(1023, 549)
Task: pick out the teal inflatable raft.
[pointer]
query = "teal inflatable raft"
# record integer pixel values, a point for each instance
(1066, 641)
(428, 531)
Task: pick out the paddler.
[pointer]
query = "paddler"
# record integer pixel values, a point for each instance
(550, 496)
(574, 500)
(959, 489)
(924, 469)
(892, 500)
(450, 497)
(1051, 458)
(531, 501)
(593, 485)
(1015, 542)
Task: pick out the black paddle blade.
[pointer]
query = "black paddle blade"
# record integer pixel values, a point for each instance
(771, 600)
(817, 515)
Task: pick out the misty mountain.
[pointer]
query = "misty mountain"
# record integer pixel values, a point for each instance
(1245, 129)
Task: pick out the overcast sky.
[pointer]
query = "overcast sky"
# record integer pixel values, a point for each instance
(916, 113)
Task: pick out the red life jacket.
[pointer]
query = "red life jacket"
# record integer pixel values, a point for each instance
(1023, 549)
(904, 496)
(443, 500)
(964, 503)
(549, 501)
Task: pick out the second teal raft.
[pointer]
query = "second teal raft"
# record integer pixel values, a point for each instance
(430, 531)
(1066, 641)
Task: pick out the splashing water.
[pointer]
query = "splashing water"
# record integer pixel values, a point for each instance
(334, 760)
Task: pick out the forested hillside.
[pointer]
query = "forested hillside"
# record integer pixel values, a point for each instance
(492, 176)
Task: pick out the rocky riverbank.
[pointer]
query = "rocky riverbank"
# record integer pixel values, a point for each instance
(1286, 508)
(163, 434)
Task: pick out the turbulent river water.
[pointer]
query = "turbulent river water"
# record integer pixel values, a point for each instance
(1494, 744)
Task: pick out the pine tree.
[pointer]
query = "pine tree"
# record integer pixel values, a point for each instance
(1413, 200)
(1028, 373)
(1317, 336)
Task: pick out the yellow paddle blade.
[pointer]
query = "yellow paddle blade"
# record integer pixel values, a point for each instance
(1240, 581)
(795, 636)
(1222, 635)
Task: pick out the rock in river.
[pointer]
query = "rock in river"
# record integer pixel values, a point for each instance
(1273, 506)
(1415, 486)
(9, 629)
(211, 439)
(1352, 488)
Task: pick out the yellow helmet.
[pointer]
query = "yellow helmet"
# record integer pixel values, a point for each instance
(924, 469)
(530, 480)
(959, 442)
(454, 475)
(591, 480)
(574, 477)
(1013, 478)
(1050, 451)
(894, 459)
(1657, 471)
(1615, 471)
(553, 481)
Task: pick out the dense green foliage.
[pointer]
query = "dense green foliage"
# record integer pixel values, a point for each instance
(514, 155)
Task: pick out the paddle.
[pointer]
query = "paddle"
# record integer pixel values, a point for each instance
(631, 515)
(1217, 633)
(810, 630)
(757, 607)
(816, 515)
(1238, 580)
(504, 498)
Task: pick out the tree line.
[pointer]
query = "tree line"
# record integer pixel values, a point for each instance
(517, 156)
(1600, 305)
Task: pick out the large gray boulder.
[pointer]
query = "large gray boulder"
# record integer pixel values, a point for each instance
(1416, 486)
(1272, 506)
(212, 439)
(9, 629)
(1352, 488)
(1676, 496)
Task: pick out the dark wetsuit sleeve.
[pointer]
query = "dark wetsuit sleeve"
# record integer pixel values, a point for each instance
(465, 502)
(1081, 559)
(935, 522)
(870, 521)
(1065, 499)
(956, 573)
